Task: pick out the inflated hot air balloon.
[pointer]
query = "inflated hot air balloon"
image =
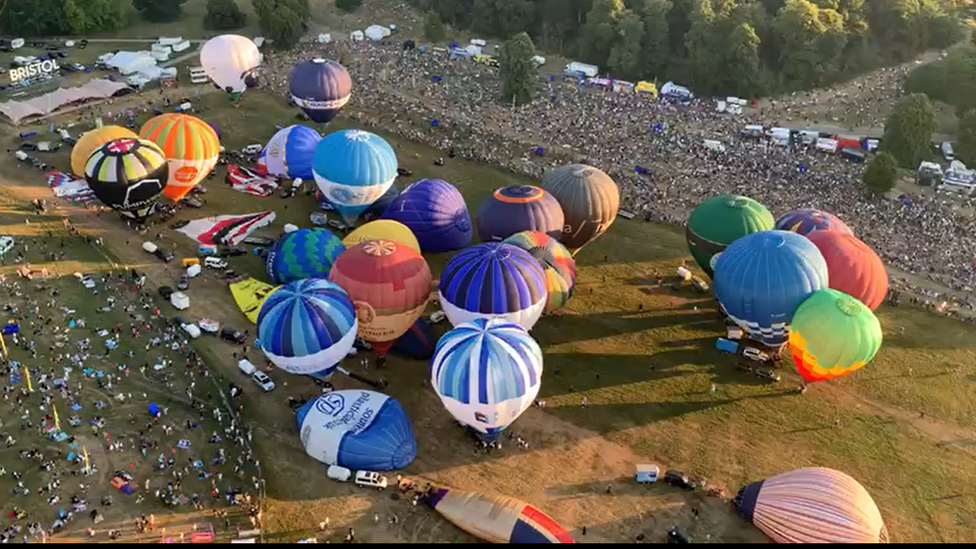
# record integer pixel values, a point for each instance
(853, 266)
(389, 283)
(487, 372)
(807, 221)
(359, 430)
(812, 505)
(215, 128)
(382, 229)
(190, 145)
(307, 327)
(230, 61)
(320, 88)
(556, 261)
(493, 280)
(289, 153)
(305, 253)
(92, 140)
(762, 278)
(589, 198)
(832, 335)
(518, 208)
(128, 176)
(719, 221)
(417, 342)
(497, 519)
(435, 212)
(353, 168)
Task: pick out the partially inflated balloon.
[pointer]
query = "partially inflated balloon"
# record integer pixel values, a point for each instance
(853, 266)
(497, 519)
(382, 229)
(191, 148)
(436, 213)
(558, 263)
(353, 169)
(518, 208)
(807, 221)
(230, 62)
(128, 176)
(589, 198)
(417, 342)
(290, 151)
(305, 253)
(720, 221)
(389, 283)
(320, 88)
(92, 140)
(832, 335)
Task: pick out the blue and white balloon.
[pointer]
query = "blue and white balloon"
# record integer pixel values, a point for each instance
(359, 430)
(290, 152)
(353, 169)
(487, 372)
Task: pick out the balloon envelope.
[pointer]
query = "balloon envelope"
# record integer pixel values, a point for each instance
(853, 266)
(382, 229)
(762, 278)
(832, 335)
(812, 505)
(518, 208)
(417, 342)
(128, 175)
(807, 221)
(389, 283)
(229, 60)
(353, 168)
(92, 140)
(556, 261)
(289, 153)
(720, 221)
(307, 327)
(589, 199)
(305, 253)
(320, 88)
(359, 430)
(436, 213)
(487, 372)
(497, 519)
(378, 207)
(493, 280)
(191, 148)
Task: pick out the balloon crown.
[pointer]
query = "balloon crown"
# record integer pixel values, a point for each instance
(358, 135)
(377, 248)
(849, 306)
(737, 202)
(121, 146)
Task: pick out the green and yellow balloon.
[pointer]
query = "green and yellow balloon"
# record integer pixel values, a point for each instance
(832, 335)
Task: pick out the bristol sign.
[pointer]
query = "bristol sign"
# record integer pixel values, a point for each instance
(34, 69)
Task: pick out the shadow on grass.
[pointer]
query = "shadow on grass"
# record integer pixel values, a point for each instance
(574, 328)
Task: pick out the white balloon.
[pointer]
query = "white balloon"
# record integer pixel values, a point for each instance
(228, 59)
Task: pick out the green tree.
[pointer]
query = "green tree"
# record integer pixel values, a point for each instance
(880, 175)
(801, 29)
(434, 27)
(349, 5)
(159, 11)
(34, 17)
(742, 61)
(557, 22)
(966, 139)
(517, 69)
(625, 54)
(282, 21)
(654, 45)
(704, 50)
(502, 17)
(908, 130)
(224, 15)
(600, 32)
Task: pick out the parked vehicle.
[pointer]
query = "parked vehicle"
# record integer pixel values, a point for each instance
(192, 202)
(339, 473)
(245, 366)
(263, 381)
(370, 479)
(165, 255)
(165, 292)
(183, 283)
(214, 263)
(679, 480)
(232, 335)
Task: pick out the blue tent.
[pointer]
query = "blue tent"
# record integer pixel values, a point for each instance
(153, 409)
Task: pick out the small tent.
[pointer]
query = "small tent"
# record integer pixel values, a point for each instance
(357, 36)
(376, 32)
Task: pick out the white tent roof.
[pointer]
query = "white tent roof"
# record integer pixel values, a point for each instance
(127, 62)
(48, 103)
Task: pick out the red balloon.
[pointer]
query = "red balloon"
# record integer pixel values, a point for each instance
(852, 266)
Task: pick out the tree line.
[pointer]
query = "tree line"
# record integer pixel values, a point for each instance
(741, 47)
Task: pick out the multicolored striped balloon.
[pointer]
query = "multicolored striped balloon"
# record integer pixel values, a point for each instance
(90, 141)
(493, 280)
(556, 261)
(807, 221)
(191, 146)
(832, 335)
(487, 372)
(127, 175)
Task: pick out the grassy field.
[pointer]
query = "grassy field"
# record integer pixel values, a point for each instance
(905, 426)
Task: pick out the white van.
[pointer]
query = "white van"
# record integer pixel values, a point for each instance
(338, 473)
(713, 145)
(6, 242)
(246, 366)
(370, 479)
(947, 151)
(253, 149)
(214, 263)
(192, 329)
(149, 247)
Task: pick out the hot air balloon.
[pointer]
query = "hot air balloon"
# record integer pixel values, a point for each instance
(493, 280)
(417, 342)
(382, 229)
(215, 128)
(359, 430)
(762, 278)
(589, 198)
(230, 61)
(812, 505)
(92, 140)
(320, 88)
(719, 221)
(290, 151)
(807, 221)
(305, 253)
(307, 327)
(389, 283)
(853, 266)
(518, 208)
(487, 372)
(190, 145)
(378, 208)
(435, 212)
(832, 335)
(497, 519)
(353, 168)
(556, 261)
(128, 175)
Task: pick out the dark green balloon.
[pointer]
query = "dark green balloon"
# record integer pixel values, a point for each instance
(719, 221)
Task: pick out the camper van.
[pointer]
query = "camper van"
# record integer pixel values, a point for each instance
(646, 87)
(780, 136)
(198, 75)
(928, 173)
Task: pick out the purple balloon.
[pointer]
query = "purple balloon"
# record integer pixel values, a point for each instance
(518, 208)
(436, 213)
(215, 127)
